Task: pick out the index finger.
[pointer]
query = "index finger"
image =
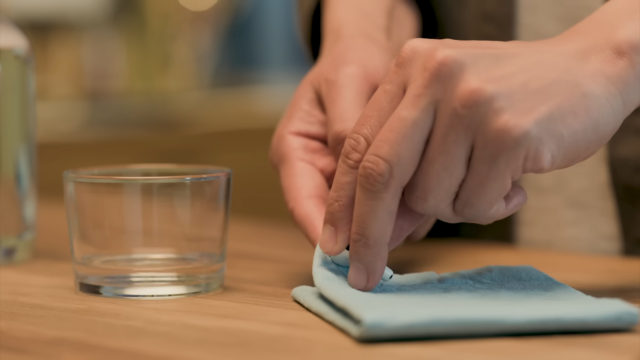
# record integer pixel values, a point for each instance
(385, 171)
(339, 212)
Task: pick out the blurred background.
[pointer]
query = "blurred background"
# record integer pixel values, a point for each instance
(206, 81)
(188, 81)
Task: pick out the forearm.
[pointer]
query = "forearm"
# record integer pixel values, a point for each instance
(386, 23)
(612, 36)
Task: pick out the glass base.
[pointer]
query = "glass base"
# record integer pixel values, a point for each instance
(15, 249)
(150, 275)
(150, 285)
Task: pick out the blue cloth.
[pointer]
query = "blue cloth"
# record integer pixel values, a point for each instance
(493, 300)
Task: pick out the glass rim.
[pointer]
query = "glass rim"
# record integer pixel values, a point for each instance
(131, 173)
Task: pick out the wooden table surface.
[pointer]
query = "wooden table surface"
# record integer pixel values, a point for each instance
(43, 317)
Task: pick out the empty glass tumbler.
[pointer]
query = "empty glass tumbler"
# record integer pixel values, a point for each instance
(17, 146)
(148, 230)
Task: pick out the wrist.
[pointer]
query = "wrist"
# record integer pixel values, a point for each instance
(610, 40)
(624, 53)
(385, 24)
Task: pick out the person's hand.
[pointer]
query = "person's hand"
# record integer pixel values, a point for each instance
(455, 124)
(329, 100)
(308, 140)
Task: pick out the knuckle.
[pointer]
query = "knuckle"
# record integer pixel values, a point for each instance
(353, 150)
(511, 135)
(538, 160)
(375, 173)
(437, 69)
(471, 95)
(443, 61)
(536, 150)
(409, 51)
(505, 139)
(335, 205)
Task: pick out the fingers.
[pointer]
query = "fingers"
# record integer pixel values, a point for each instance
(488, 192)
(343, 104)
(434, 185)
(384, 171)
(389, 164)
(339, 212)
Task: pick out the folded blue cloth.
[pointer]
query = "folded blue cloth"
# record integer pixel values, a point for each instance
(493, 300)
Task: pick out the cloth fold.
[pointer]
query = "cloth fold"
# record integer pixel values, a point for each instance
(493, 300)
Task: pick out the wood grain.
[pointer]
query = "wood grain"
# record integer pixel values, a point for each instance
(43, 317)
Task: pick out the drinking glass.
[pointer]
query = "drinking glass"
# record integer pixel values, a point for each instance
(149, 230)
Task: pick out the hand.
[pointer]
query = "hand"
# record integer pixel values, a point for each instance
(454, 125)
(328, 102)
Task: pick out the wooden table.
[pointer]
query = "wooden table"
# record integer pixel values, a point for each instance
(43, 317)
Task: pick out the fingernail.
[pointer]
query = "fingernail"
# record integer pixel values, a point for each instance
(357, 277)
(328, 238)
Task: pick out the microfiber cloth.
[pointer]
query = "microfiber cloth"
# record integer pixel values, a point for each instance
(493, 300)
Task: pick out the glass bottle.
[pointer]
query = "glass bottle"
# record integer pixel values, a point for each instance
(17, 145)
